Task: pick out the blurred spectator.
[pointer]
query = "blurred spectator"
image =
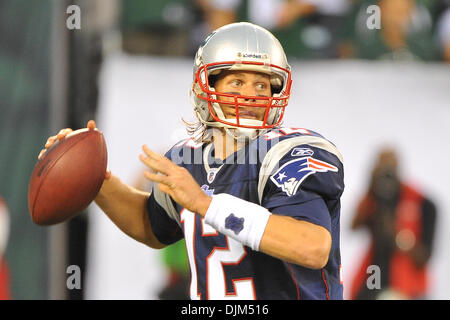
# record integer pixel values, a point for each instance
(309, 29)
(306, 28)
(218, 13)
(4, 233)
(405, 34)
(213, 14)
(443, 34)
(273, 14)
(315, 29)
(157, 27)
(175, 27)
(401, 221)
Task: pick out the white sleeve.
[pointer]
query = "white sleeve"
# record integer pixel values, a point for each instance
(166, 203)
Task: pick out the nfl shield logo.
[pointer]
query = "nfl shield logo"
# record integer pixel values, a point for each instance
(211, 175)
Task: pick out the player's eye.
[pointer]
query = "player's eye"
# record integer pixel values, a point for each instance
(236, 82)
(261, 86)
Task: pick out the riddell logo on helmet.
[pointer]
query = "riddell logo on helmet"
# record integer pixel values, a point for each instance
(252, 55)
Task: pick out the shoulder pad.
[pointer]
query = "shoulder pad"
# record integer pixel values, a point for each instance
(292, 149)
(185, 151)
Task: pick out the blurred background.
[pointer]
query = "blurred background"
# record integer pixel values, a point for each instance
(371, 76)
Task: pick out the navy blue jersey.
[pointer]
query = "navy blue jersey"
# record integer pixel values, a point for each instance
(291, 172)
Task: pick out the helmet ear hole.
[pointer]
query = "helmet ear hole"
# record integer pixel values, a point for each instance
(275, 89)
(212, 80)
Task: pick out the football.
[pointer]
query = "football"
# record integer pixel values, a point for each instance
(67, 177)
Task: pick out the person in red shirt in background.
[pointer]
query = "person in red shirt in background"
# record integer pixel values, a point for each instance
(4, 232)
(401, 221)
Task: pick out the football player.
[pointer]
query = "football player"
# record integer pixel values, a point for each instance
(257, 204)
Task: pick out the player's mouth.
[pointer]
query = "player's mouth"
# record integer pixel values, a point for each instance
(245, 114)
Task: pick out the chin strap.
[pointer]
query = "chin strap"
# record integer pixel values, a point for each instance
(242, 134)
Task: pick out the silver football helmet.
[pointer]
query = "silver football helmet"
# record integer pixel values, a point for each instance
(240, 46)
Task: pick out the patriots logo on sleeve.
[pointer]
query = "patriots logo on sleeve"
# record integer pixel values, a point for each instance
(290, 176)
(207, 190)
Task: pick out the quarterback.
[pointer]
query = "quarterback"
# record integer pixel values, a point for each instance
(258, 204)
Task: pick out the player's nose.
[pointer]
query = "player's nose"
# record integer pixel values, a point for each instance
(249, 92)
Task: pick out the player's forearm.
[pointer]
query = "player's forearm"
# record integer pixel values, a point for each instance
(295, 241)
(126, 207)
(282, 237)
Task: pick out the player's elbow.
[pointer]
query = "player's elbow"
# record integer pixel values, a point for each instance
(152, 243)
(322, 256)
(316, 254)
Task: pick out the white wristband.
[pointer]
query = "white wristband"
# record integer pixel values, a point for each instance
(238, 219)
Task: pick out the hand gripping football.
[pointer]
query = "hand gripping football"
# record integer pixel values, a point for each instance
(68, 177)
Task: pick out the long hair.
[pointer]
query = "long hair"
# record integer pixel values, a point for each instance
(198, 131)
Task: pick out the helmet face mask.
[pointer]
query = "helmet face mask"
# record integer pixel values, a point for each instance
(243, 47)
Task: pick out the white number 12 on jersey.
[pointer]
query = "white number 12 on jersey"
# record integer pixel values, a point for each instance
(215, 277)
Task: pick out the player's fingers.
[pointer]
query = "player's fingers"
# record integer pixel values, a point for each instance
(91, 125)
(163, 161)
(153, 154)
(63, 133)
(153, 164)
(165, 188)
(50, 142)
(169, 165)
(41, 153)
(158, 178)
(108, 174)
(149, 152)
(65, 130)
